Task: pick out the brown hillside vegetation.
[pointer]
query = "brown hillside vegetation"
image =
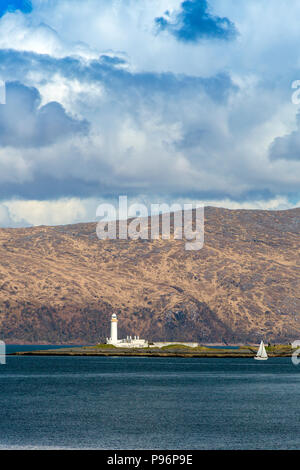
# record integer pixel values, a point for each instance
(61, 284)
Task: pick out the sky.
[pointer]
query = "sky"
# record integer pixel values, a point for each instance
(160, 100)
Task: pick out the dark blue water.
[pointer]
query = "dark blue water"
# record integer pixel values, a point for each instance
(149, 403)
(12, 348)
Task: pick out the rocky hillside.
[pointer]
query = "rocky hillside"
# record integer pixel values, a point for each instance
(61, 284)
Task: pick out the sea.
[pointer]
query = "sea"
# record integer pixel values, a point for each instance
(49, 402)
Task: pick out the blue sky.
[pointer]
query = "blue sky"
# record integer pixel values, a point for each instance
(24, 6)
(193, 21)
(161, 100)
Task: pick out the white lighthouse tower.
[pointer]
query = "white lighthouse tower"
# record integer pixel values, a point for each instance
(114, 329)
(129, 342)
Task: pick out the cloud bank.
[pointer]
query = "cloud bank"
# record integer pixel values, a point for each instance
(203, 112)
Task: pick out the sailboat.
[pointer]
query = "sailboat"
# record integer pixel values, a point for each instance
(261, 353)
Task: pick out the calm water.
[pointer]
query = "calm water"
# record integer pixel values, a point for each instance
(12, 348)
(154, 403)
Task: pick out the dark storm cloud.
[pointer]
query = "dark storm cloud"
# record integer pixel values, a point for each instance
(23, 123)
(116, 79)
(128, 95)
(194, 22)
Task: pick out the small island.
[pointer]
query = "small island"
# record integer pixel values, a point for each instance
(134, 346)
(172, 350)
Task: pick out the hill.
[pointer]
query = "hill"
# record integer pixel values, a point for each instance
(61, 284)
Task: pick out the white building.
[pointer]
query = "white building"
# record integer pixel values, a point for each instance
(129, 342)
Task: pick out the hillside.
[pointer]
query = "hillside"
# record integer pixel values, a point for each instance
(61, 284)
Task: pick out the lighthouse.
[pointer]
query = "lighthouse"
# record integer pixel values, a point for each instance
(129, 342)
(114, 329)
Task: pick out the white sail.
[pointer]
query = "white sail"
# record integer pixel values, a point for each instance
(260, 350)
(262, 353)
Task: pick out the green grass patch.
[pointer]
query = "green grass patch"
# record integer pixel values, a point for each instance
(105, 346)
(279, 348)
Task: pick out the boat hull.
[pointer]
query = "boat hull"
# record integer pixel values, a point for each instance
(261, 358)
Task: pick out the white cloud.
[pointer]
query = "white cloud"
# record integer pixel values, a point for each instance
(59, 212)
(15, 167)
(28, 33)
(5, 220)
